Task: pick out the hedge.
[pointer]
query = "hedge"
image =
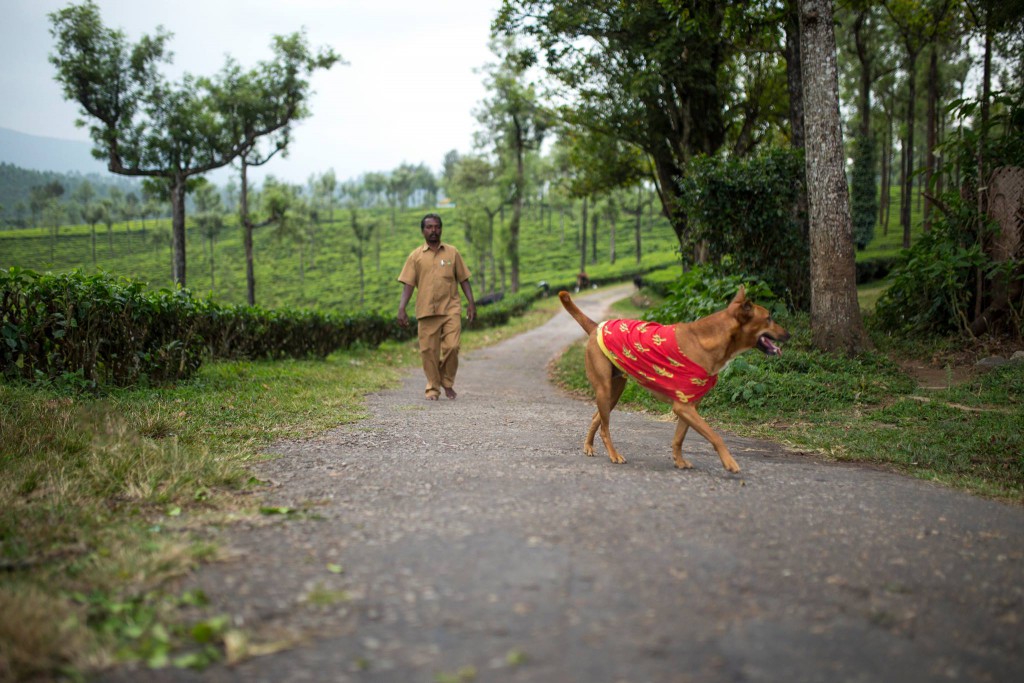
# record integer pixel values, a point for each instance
(101, 329)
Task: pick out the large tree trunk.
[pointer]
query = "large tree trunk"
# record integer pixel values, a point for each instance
(178, 229)
(836, 324)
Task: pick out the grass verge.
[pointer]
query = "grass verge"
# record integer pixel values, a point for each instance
(103, 500)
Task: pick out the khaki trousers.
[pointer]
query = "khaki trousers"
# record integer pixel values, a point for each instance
(439, 337)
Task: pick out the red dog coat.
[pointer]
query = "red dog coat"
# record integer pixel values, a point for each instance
(648, 352)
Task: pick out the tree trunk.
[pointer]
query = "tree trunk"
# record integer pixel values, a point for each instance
(583, 239)
(794, 80)
(639, 221)
(243, 207)
(178, 229)
(793, 76)
(908, 153)
(836, 324)
(932, 134)
(212, 283)
(595, 217)
(611, 234)
(517, 212)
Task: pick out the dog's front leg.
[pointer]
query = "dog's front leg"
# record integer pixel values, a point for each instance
(677, 445)
(687, 412)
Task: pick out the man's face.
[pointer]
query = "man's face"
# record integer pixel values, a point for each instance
(432, 230)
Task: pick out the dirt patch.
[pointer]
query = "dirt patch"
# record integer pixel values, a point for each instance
(951, 367)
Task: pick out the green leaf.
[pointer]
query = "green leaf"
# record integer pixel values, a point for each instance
(277, 510)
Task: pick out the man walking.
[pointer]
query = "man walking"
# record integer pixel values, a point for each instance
(436, 270)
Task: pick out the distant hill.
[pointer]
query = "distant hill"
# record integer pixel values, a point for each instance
(16, 184)
(48, 154)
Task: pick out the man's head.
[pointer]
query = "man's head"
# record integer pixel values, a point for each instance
(430, 226)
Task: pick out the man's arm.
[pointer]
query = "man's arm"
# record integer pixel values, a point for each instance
(403, 317)
(467, 289)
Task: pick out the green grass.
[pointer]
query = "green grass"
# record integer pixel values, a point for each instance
(890, 243)
(325, 276)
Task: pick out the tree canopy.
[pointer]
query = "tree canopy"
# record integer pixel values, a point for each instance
(145, 125)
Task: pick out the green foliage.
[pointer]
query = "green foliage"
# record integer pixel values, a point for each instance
(94, 329)
(82, 331)
(744, 209)
(932, 290)
(948, 283)
(703, 290)
(864, 191)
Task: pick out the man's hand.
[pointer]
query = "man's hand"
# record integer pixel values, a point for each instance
(471, 311)
(403, 318)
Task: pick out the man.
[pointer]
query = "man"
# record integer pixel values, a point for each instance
(437, 271)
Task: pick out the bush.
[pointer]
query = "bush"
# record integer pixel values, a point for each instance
(94, 330)
(744, 209)
(931, 291)
(87, 331)
(704, 290)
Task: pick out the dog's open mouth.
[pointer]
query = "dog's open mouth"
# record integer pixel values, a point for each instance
(768, 346)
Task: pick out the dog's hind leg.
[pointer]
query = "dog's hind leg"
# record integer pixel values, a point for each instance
(677, 445)
(605, 403)
(618, 385)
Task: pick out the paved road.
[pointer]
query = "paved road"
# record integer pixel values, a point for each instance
(477, 543)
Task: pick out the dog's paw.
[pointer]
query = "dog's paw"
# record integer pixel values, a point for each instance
(588, 450)
(683, 464)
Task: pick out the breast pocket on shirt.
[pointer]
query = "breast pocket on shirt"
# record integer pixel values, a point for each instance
(446, 267)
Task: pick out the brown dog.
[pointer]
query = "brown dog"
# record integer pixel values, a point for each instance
(615, 348)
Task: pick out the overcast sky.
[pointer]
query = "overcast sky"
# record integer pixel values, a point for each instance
(407, 94)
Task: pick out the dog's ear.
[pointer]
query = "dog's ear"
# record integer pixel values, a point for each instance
(741, 295)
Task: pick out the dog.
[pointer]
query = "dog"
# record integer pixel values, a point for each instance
(686, 360)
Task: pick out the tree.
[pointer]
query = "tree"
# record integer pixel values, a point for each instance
(54, 214)
(41, 196)
(652, 73)
(475, 189)
(108, 215)
(835, 313)
(864, 32)
(288, 212)
(516, 122)
(362, 230)
(147, 126)
(918, 23)
(210, 220)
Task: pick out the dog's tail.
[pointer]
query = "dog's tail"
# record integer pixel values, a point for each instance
(586, 323)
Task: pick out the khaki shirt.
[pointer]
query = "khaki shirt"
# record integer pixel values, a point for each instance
(436, 277)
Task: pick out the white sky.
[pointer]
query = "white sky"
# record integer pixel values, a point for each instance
(407, 94)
